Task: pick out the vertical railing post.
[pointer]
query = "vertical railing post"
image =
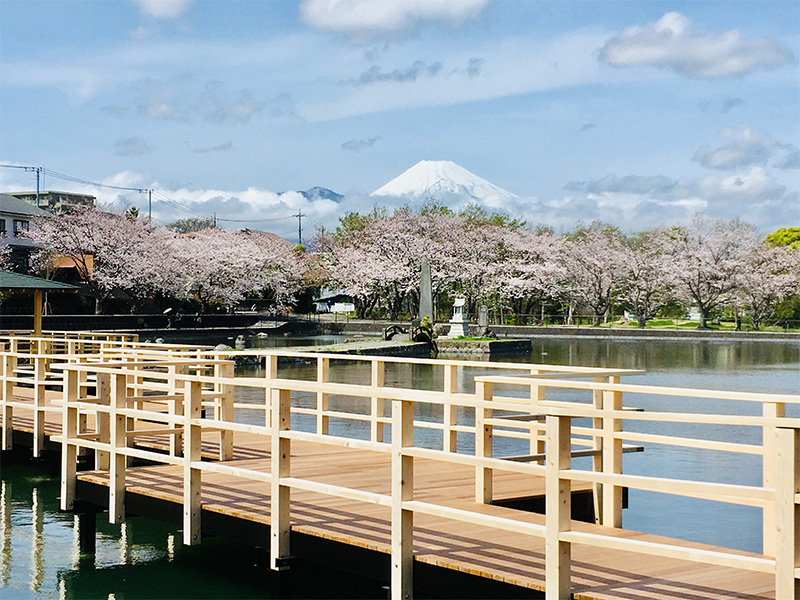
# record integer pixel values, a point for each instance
(597, 445)
(787, 514)
(9, 372)
(225, 412)
(116, 482)
(402, 576)
(39, 375)
(270, 373)
(175, 406)
(612, 457)
(69, 430)
(377, 380)
(102, 418)
(770, 472)
(323, 373)
(192, 407)
(483, 442)
(450, 417)
(557, 509)
(537, 396)
(280, 525)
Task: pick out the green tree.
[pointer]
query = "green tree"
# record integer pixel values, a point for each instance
(785, 236)
(189, 225)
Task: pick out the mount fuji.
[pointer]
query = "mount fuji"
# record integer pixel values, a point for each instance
(446, 182)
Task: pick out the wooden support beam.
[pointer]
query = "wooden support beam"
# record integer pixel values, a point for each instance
(38, 302)
(279, 519)
(191, 454)
(450, 416)
(377, 379)
(39, 377)
(69, 451)
(612, 458)
(119, 441)
(402, 575)
(557, 510)
(176, 407)
(9, 368)
(483, 442)
(225, 411)
(597, 459)
(323, 373)
(770, 472)
(537, 396)
(270, 373)
(103, 423)
(787, 514)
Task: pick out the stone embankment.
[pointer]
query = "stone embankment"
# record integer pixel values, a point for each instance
(366, 327)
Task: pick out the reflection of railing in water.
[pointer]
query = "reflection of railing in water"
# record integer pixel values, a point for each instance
(5, 533)
(183, 386)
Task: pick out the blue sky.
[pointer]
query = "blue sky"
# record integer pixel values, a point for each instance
(634, 113)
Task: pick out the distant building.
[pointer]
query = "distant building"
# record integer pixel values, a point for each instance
(334, 302)
(55, 201)
(15, 219)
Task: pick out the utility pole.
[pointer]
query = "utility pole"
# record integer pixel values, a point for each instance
(38, 171)
(149, 206)
(299, 216)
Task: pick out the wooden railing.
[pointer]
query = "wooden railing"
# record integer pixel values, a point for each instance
(778, 495)
(25, 366)
(119, 405)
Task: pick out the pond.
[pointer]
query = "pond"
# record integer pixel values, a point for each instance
(39, 556)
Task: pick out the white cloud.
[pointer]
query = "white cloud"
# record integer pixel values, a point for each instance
(362, 20)
(746, 146)
(669, 43)
(636, 201)
(163, 9)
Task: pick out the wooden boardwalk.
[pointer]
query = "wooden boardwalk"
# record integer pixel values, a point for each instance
(412, 503)
(506, 556)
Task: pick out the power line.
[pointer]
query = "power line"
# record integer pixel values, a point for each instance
(255, 220)
(159, 196)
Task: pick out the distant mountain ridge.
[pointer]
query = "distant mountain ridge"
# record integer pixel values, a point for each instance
(317, 193)
(445, 181)
(321, 193)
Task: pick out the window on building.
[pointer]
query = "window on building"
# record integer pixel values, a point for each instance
(3, 232)
(20, 226)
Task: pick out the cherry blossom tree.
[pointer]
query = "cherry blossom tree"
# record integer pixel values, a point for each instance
(594, 262)
(221, 266)
(768, 274)
(532, 271)
(644, 286)
(108, 251)
(706, 261)
(5, 258)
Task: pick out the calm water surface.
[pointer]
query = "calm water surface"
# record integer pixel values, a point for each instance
(39, 555)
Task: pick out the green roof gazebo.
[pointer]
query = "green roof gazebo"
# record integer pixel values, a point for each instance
(16, 282)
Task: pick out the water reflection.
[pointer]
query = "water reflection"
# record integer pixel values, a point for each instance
(5, 533)
(41, 558)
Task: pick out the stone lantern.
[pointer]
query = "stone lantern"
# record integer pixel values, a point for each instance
(459, 324)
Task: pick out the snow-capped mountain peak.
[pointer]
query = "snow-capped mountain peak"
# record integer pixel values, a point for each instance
(443, 180)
